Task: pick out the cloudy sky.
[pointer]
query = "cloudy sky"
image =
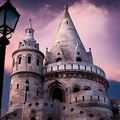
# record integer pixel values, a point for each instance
(97, 23)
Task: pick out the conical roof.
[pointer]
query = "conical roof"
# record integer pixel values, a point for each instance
(68, 39)
(29, 32)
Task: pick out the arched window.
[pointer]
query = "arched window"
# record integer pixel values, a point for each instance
(60, 94)
(100, 90)
(87, 88)
(58, 60)
(37, 61)
(78, 59)
(19, 60)
(76, 89)
(49, 118)
(29, 59)
(33, 118)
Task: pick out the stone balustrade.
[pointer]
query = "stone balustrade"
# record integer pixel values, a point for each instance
(77, 67)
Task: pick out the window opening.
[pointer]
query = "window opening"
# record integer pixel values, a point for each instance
(91, 97)
(20, 60)
(78, 67)
(29, 59)
(83, 98)
(98, 98)
(67, 22)
(37, 61)
(60, 94)
(37, 93)
(78, 59)
(86, 88)
(76, 89)
(76, 99)
(17, 86)
(58, 60)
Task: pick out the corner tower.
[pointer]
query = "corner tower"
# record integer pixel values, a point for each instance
(27, 64)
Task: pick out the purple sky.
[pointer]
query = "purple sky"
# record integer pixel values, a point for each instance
(97, 23)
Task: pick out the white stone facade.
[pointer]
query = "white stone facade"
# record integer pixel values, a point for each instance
(81, 85)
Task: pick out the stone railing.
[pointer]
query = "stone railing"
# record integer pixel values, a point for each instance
(77, 67)
(88, 96)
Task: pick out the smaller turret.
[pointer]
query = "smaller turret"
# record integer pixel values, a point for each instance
(29, 32)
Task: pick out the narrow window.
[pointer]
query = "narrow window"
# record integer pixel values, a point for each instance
(37, 93)
(17, 86)
(20, 60)
(78, 67)
(91, 97)
(29, 59)
(104, 99)
(67, 22)
(70, 101)
(76, 99)
(37, 61)
(83, 98)
(98, 98)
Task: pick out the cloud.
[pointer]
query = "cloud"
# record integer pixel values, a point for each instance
(98, 29)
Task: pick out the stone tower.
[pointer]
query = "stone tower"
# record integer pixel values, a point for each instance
(27, 64)
(81, 86)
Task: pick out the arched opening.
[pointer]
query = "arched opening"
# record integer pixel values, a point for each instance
(87, 88)
(59, 94)
(100, 90)
(33, 118)
(37, 61)
(58, 60)
(29, 59)
(78, 59)
(49, 118)
(76, 89)
(20, 58)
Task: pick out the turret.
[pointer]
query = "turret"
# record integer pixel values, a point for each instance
(27, 64)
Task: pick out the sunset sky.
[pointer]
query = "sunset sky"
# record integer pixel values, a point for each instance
(97, 23)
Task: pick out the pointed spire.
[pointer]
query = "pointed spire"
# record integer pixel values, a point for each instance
(68, 38)
(29, 32)
(30, 24)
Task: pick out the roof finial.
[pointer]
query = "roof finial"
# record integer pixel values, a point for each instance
(66, 7)
(30, 24)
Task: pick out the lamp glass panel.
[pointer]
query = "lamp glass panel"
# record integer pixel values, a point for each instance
(2, 15)
(11, 18)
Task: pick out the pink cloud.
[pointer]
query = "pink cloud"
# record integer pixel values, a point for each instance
(91, 23)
